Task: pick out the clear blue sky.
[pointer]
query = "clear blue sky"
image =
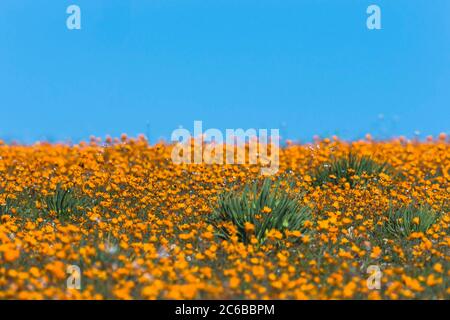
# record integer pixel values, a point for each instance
(148, 66)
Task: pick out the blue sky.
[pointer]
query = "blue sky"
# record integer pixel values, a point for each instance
(307, 67)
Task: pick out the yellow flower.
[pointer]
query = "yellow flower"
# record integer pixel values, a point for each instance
(258, 271)
(11, 255)
(438, 268)
(323, 224)
(266, 210)
(306, 239)
(207, 235)
(432, 280)
(234, 282)
(349, 290)
(249, 227)
(376, 252)
(274, 235)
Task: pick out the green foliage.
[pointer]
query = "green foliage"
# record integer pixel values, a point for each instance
(240, 207)
(348, 167)
(64, 203)
(5, 208)
(406, 220)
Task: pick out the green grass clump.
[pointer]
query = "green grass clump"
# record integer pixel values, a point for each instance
(64, 203)
(247, 206)
(5, 208)
(406, 220)
(346, 168)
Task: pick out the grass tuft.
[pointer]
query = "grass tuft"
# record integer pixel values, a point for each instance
(349, 169)
(64, 203)
(264, 206)
(406, 220)
(5, 208)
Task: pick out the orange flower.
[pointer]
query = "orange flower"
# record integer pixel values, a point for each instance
(258, 271)
(249, 227)
(376, 252)
(234, 282)
(11, 255)
(274, 235)
(438, 268)
(266, 210)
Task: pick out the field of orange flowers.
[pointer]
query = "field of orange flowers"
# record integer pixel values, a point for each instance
(140, 227)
